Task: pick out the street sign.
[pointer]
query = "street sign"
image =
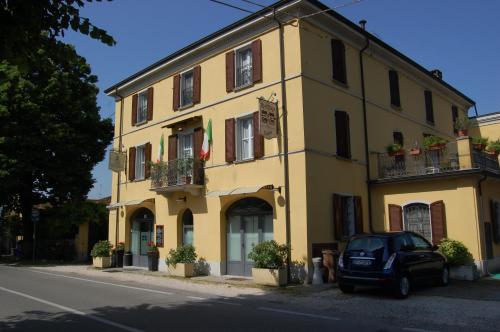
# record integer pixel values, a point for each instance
(117, 161)
(268, 118)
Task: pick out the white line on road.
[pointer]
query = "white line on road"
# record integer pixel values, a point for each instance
(196, 298)
(298, 313)
(418, 330)
(73, 311)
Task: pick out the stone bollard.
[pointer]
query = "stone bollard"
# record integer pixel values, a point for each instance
(317, 275)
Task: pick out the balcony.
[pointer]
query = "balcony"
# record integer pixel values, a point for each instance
(453, 157)
(178, 175)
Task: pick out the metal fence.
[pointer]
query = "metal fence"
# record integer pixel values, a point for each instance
(177, 172)
(485, 161)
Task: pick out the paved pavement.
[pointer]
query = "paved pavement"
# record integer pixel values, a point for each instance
(45, 300)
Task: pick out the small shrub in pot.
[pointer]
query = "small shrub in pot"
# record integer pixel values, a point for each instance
(456, 252)
(269, 261)
(180, 262)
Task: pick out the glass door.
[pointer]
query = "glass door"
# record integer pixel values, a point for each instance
(185, 159)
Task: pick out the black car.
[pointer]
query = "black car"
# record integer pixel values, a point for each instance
(393, 260)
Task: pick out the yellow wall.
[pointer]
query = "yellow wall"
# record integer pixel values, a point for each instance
(82, 241)
(486, 126)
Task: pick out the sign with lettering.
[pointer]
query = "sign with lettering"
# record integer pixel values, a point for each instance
(268, 115)
(117, 161)
(159, 236)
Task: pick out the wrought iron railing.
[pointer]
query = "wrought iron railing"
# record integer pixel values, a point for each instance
(177, 172)
(485, 161)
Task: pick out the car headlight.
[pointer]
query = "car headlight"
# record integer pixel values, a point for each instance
(389, 262)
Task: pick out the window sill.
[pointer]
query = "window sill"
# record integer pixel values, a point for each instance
(243, 87)
(138, 180)
(344, 158)
(397, 108)
(243, 161)
(138, 124)
(430, 123)
(183, 107)
(339, 83)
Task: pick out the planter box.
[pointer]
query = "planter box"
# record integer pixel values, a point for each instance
(101, 262)
(269, 277)
(181, 270)
(464, 272)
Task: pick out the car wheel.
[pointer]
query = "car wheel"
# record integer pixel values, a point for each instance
(402, 288)
(347, 289)
(445, 277)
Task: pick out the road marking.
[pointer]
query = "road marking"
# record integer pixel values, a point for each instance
(196, 297)
(298, 313)
(106, 283)
(418, 330)
(225, 302)
(71, 310)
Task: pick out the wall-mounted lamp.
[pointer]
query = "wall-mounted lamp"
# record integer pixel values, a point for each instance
(181, 199)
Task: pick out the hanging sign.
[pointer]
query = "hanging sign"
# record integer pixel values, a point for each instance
(116, 161)
(268, 115)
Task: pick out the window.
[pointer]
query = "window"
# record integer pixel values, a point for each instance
(159, 236)
(394, 88)
(429, 111)
(140, 162)
(244, 138)
(142, 107)
(186, 97)
(417, 219)
(420, 243)
(187, 228)
(347, 215)
(343, 134)
(454, 118)
(402, 242)
(243, 67)
(338, 61)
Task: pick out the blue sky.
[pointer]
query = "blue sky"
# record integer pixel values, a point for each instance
(460, 37)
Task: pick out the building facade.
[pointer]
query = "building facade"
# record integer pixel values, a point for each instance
(342, 95)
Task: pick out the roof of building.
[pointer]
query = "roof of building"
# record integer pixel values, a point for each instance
(270, 8)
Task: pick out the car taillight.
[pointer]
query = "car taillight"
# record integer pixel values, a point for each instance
(341, 260)
(389, 262)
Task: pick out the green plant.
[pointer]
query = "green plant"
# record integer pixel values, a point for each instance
(462, 123)
(120, 246)
(184, 166)
(494, 146)
(431, 141)
(269, 255)
(101, 249)
(393, 148)
(183, 254)
(455, 252)
(152, 247)
(480, 140)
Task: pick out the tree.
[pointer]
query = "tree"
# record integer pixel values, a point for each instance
(51, 133)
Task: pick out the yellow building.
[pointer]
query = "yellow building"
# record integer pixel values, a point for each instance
(319, 175)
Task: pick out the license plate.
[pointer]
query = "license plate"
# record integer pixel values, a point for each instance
(363, 262)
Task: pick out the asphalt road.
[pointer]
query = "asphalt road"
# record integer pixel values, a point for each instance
(33, 300)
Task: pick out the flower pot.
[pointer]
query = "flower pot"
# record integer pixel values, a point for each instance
(397, 153)
(462, 132)
(464, 272)
(188, 179)
(478, 146)
(416, 152)
(269, 277)
(153, 261)
(119, 258)
(101, 262)
(435, 147)
(492, 152)
(181, 270)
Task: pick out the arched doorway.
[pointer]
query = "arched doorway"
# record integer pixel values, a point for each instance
(141, 233)
(187, 227)
(249, 222)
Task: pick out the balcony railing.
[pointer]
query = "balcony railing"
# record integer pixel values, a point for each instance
(177, 173)
(485, 161)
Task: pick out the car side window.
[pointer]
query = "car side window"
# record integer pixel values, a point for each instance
(402, 242)
(420, 243)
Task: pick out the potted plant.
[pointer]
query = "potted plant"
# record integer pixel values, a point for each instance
(416, 151)
(395, 150)
(119, 252)
(269, 263)
(433, 143)
(493, 148)
(153, 255)
(101, 254)
(459, 259)
(479, 143)
(184, 169)
(180, 262)
(461, 126)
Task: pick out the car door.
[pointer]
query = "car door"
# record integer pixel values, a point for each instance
(424, 257)
(408, 258)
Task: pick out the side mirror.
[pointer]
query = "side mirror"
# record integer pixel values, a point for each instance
(435, 247)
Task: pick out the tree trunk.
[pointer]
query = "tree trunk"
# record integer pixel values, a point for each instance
(26, 200)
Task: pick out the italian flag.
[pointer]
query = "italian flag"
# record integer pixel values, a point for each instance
(160, 150)
(207, 139)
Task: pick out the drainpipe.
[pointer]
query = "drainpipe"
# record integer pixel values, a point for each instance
(475, 110)
(362, 23)
(120, 130)
(285, 142)
(481, 215)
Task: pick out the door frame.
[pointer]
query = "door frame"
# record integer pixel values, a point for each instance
(148, 216)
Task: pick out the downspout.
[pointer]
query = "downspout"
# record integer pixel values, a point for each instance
(481, 213)
(475, 110)
(285, 143)
(365, 125)
(120, 130)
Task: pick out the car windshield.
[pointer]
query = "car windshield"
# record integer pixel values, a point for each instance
(369, 244)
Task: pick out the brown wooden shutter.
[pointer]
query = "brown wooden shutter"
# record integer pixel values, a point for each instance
(429, 111)
(150, 104)
(358, 215)
(147, 159)
(198, 142)
(343, 134)
(134, 109)
(495, 222)
(258, 139)
(197, 85)
(131, 164)
(176, 92)
(229, 71)
(230, 140)
(257, 61)
(395, 217)
(338, 61)
(172, 147)
(338, 220)
(438, 221)
(394, 88)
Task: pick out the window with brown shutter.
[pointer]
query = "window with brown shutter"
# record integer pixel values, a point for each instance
(258, 139)
(172, 147)
(394, 88)
(429, 110)
(134, 109)
(342, 132)
(454, 118)
(131, 163)
(257, 61)
(230, 146)
(150, 104)
(176, 92)
(147, 157)
(197, 163)
(495, 220)
(229, 71)
(358, 215)
(395, 217)
(196, 85)
(338, 61)
(438, 221)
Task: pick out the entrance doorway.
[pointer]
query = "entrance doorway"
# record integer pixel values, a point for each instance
(249, 222)
(141, 234)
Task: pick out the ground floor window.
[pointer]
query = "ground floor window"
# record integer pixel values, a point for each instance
(187, 228)
(347, 216)
(417, 219)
